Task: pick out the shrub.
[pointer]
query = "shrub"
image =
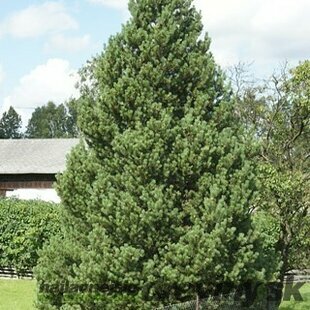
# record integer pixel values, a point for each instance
(24, 227)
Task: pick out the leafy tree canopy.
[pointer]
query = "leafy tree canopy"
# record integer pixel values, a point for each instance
(51, 121)
(278, 112)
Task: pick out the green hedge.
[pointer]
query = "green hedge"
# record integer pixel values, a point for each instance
(24, 227)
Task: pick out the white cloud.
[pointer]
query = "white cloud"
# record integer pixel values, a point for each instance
(55, 80)
(266, 32)
(121, 5)
(117, 4)
(68, 44)
(37, 20)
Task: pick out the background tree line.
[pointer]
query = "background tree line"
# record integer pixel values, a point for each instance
(47, 121)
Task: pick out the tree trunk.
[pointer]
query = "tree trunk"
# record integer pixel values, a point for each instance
(275, 290)
(250, 290)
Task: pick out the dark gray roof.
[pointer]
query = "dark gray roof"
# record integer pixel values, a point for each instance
(34, 156)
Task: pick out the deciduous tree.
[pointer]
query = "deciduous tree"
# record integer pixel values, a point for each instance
(52, 121)
(278, 112)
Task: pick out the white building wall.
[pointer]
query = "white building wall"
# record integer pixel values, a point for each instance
(41, 194)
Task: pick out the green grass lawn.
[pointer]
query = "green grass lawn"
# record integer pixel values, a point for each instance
(17, 294)
(299, 305)
(20, 295)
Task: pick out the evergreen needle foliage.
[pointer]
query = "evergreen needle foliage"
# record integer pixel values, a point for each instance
(10, 125)
(157, 198)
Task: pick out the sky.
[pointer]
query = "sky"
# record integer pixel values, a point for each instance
(44, 43)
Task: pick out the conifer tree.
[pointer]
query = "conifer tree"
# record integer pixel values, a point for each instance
(157, 196)
(10, 125)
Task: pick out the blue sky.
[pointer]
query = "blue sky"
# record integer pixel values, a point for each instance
(21, 51)
(63, 33)
(44, 43)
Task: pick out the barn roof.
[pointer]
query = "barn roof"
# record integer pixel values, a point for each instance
(34, 156)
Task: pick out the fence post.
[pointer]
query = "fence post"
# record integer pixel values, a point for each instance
(197, 302)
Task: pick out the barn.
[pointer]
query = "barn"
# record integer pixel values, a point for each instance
(32, 163)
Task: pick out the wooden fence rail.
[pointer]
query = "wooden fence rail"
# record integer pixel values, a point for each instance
(12, 273)
(293, 276)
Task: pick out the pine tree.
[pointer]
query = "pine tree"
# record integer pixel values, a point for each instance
(157, 197)
(10, 125)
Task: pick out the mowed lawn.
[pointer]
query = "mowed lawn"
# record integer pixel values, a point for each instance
(21, 294)
(298, 305)
(17, 294)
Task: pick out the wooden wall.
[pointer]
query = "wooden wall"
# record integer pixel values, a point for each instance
(33, 181)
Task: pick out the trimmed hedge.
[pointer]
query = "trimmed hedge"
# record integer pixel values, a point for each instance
(24, 228)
